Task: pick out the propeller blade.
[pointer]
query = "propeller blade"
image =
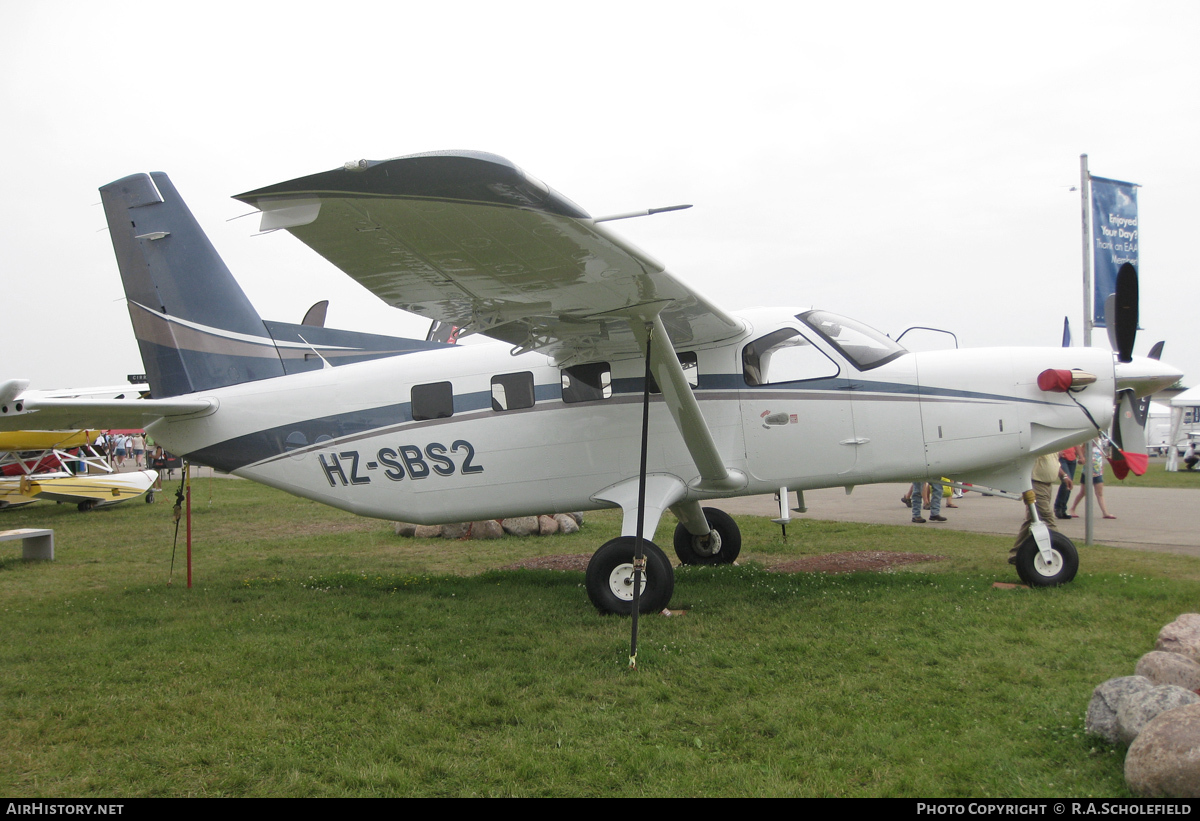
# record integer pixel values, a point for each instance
(1125, 316)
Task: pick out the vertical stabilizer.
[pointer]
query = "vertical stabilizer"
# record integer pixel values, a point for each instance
(194, 325)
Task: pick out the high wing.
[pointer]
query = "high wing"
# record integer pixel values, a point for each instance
(469, 239)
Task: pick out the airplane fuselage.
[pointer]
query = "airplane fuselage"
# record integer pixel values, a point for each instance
(472, 432)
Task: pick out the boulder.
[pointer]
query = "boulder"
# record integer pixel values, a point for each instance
(456, 530)
(547, 526)
(1140, 709)
(487, 529)
(1181, 636)
(427, 532)
(1164, 761)
(405, 529)
(1162, 667)
(566, 523)
(520, 525)
(1106, 700)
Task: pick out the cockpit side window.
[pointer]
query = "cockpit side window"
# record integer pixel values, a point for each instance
(784, 356)
(865, 347)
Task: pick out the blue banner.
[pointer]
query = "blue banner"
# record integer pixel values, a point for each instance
(1114, 238)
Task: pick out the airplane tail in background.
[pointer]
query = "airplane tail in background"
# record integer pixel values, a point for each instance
(194, 325)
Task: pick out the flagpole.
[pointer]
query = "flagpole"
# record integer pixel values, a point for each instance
(1085, 189)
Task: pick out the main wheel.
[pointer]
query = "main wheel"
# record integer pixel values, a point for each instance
(610, 577)
(1037, 572)
(721, 546)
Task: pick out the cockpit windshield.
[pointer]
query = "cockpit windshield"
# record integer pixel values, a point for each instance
(864, 346)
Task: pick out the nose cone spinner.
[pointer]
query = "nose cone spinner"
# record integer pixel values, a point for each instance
(1145, 376)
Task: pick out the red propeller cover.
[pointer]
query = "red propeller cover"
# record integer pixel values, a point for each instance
(1055, 379)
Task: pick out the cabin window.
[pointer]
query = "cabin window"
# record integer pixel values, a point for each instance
(432, 401)
(785, 356)
(587, 383)
(512, 391)
(691, 371)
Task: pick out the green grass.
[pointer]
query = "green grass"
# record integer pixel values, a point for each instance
(319, 654)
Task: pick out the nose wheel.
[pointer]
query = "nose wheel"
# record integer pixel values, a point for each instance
(1036, 571)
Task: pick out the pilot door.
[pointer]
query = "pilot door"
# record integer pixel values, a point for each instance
(796, 413)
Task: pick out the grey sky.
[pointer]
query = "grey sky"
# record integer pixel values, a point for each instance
(902, 163)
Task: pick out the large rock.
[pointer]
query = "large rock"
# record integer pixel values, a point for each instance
(1106, 700)
(487, 529)
(520, 525)
(456, 530)
(1164, 761)
(1181, 636)
(1140, 709)
(1162, 667)
(547, 526)
(566, 523)
(427, 532)
(407, 529)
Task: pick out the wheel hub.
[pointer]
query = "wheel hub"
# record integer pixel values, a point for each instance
(620, 582)
(1048, 568)
(709, 545)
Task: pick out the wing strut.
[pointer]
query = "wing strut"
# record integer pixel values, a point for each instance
(685, 410)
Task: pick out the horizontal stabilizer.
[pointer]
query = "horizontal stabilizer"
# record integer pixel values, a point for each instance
(49, 413)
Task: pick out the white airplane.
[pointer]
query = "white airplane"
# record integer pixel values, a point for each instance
(548, 417)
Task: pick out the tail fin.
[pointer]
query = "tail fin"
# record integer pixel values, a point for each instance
(194, 325)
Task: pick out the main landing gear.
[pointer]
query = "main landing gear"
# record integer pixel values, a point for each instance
(610, 577)
(721, 545)
(610, 572)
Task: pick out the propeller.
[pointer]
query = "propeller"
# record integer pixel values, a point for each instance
(1121, 313)
(1129, 415)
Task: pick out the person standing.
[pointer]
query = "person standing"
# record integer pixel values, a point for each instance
(1097, 482)
(139, 450)
(935, 503)
(1067, 460)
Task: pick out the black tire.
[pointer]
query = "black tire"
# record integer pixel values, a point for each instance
(610, 577)
(150, 498)
(1035, 573)
(727, 543)
(87, 506)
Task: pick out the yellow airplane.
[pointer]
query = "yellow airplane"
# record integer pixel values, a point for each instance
(38, 464)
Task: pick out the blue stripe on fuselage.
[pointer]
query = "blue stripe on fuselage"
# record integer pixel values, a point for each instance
(262, 445)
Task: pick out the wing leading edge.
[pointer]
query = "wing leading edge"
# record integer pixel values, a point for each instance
(468, 238)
